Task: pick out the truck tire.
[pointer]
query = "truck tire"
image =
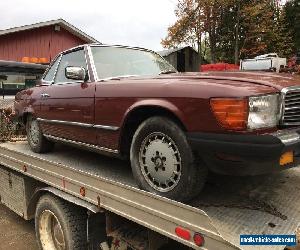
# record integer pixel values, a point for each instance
(162, 161)
(37, 142)
(60, 225)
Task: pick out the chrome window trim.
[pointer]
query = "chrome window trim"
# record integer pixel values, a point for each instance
(116, 77)
(64, 83)
(284, 91)
(90, 54)
(55, 73)
(68, 52)
(73, 49)
(47, 83)
(87, 49)
(90, 146)
(97, 79)
(121, 46)
(87, 64)
(80, 124)
(129, 47)
(58, 58)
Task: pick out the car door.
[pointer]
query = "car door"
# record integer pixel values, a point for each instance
(67, 109)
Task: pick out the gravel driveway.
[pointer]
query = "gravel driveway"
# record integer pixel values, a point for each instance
(15, 232)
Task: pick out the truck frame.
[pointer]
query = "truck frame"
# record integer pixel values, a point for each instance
(104, 189)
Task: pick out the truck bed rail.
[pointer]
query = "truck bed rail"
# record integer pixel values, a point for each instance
(156, 213)
(227, 207)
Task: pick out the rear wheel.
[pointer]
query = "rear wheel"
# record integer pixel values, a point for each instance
(37, 142)
(162, 160)
(60, 225)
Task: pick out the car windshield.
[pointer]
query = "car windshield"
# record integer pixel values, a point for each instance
(113, 62)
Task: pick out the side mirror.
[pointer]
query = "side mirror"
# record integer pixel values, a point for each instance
(76, 73)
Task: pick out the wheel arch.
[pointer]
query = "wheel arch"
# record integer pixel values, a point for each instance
(27, 112)
(25, 116)
(143, 110)
(31, 208)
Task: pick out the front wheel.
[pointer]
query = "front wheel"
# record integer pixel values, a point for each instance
(162, 160)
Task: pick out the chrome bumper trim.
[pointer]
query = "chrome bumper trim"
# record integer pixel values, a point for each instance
(287, 137)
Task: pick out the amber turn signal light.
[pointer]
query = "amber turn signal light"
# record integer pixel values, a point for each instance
(286, 158)
(232, 113)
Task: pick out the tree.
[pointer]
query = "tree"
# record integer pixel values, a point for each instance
(292, 20)
(187, 29)
(265, 29)
(196, 21)
(229, 32)
(257, 21)
(235, 29)
(282, 39)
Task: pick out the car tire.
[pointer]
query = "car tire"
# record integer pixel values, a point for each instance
(162, 160)
(60, 225)
(36, 140)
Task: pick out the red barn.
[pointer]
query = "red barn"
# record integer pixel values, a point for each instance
(40, 40)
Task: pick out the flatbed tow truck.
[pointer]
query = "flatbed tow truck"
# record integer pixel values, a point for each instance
(81, 200)
(119, 212)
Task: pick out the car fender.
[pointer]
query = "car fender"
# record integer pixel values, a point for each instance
(159, 103)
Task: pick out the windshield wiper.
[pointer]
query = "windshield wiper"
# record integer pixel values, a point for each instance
(167, 72)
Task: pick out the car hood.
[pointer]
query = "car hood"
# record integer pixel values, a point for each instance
(274, 80)
(200, 85)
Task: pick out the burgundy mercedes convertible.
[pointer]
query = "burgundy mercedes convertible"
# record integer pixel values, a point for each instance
(130, 103)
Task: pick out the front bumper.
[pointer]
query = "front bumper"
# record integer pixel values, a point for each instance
(245, 154)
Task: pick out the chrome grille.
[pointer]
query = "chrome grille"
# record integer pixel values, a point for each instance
(291, 106)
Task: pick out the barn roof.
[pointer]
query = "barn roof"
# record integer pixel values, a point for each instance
(61, 22)
(10, 66)
(21, 65)
(170, 51)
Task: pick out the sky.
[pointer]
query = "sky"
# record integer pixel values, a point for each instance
(140, 23)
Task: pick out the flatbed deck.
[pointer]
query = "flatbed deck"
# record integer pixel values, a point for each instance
(227, 207)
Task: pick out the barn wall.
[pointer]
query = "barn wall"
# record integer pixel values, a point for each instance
(191, 60)
(42, 42)
(172, 59)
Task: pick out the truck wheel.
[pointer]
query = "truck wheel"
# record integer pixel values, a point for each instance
(60, 225)
(163, 162)
(37, 142)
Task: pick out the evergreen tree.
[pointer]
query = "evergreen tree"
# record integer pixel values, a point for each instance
(292, 20)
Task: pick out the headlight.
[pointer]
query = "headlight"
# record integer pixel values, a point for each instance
(263, 111)
(242, 113)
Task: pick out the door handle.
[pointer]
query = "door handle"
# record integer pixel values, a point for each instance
(45, 95)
